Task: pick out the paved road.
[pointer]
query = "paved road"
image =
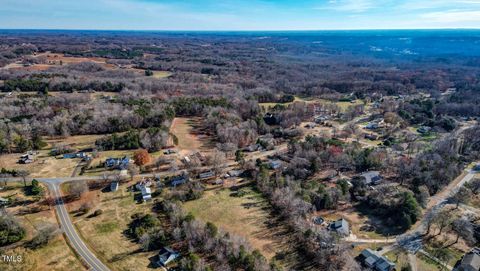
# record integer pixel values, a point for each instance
(412, 259)
(435, 203)
(75, 240)
(441, 199)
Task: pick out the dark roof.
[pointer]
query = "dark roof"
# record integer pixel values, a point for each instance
(376, 262)
(372, 177)
(341, 226)
(470, 262)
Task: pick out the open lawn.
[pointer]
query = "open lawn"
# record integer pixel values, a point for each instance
(57, 255)
(247, 216)
(77, 142)
(161, 74)
(361, 225)
(398, 257)
(104, 233)
(343, 105)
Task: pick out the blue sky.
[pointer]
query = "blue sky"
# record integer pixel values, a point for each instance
(239, 15)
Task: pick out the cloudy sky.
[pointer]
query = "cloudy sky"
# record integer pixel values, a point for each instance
(238, 14)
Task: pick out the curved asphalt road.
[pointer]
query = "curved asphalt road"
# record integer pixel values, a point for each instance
(75, 240)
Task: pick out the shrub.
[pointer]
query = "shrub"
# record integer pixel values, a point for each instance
(10, 230)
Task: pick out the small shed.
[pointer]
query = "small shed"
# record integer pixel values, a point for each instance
(341, 227)
(146, 193)
(372, 177)
(167, 255)
(114, 186)
(275, 164)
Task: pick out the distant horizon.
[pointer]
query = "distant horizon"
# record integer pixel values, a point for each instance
(240, 15)
(240, 30)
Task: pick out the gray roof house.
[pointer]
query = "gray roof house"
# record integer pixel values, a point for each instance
(146, 193)
(166, 255)
(372, 260)
(341, 227)
(372, 177)
(275, 164)
(469, 262)
(206, 175)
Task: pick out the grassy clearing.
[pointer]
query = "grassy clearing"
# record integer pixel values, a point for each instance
(343, 105)
(426, 264)
(161, 74)
(104, 233)
(246, 216)
(57, 255)
(188, 140)
(398, 257)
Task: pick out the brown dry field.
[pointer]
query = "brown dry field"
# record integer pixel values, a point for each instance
(49, 166)
(44, 166)
(104, 233)
(55, 60)
(246, 216)
(57, 255)
(188, 141)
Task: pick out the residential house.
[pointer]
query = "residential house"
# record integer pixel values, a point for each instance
(341, 227)
(178, 180)
(374, 261)
(372, 126)
(26, 159)
(145, 182)
(252, 148)
(321, 119)
(275, 164)
(206, 175)
(476, 167)
(117, 163)
(234, 173)
(424, 130)
(469, 262)
(82, 155)
(114, 186)
(146, 193)
(372, 177)
(167, 255)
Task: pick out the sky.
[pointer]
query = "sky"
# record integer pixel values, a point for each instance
(238, 14)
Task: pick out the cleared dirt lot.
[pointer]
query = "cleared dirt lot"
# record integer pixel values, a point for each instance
(44, 166)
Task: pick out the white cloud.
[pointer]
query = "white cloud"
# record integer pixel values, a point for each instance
(437, 4)
(354, 6)
(452, 16)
